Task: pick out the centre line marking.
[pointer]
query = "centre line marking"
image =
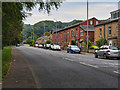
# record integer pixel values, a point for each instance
(69, 59)
(116, 72)
(88, 64)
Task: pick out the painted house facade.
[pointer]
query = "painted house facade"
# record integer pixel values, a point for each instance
(75, 32)
(109, 29)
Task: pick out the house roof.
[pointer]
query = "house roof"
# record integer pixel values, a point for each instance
(107, 21)
(67, 27)
(90, 27)
(77, 24)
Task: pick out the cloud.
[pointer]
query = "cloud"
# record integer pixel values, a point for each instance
(70, 11)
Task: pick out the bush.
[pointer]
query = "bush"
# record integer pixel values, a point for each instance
(48, 42)
(101, 41)
(73, 42)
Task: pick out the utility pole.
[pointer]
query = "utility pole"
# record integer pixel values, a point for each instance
(56, 32)
(87, 28)
(33, 32)
(44, 32)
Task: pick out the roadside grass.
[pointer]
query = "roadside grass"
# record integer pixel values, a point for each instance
(6, 59)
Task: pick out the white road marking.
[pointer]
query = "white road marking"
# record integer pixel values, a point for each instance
(68, 59)
(116, 72)
(88, 64)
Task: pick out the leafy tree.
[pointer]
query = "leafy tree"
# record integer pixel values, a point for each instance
(101, 41)
(13, 13)
(28, 40)
(46, 34)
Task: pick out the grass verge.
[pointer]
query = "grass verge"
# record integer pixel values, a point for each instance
(6, 59)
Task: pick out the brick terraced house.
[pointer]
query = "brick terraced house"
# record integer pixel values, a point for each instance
(75, 32)
(109, 29)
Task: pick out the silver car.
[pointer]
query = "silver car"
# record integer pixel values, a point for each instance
(108, 52)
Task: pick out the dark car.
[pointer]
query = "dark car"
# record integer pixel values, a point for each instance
(73, 49)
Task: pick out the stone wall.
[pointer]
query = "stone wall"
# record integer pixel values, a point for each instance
(119, 32)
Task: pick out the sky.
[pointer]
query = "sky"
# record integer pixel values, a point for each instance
(77, 9)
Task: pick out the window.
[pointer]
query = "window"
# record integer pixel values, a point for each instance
(61, 34)
(100, 32)
(96, 22)
(91, 22)
(68, 34)
(82, 33)
(64, 34)
(72, 33)
(109, 30)
(76, 33)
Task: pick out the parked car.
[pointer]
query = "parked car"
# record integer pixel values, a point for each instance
(73, 49)
(17, 45)
(36, 45)
(108, 52)
(47, 46)
(40, 46)
(55, 47)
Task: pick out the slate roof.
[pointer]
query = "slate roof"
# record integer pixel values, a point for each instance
(90, 27)
(107, 21)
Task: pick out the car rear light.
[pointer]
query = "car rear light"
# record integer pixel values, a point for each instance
(108, 50)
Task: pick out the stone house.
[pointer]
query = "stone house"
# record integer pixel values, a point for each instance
(109, 29)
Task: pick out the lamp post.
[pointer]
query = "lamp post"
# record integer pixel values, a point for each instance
(87, 28)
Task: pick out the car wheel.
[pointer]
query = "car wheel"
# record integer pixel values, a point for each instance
(118, 58)
(106, 56)
(96, 56)
(67, 51)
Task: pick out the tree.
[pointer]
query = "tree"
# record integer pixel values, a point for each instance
(13, 14)
(46, 34)
(101, 41)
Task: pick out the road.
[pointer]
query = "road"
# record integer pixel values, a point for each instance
(58, 69)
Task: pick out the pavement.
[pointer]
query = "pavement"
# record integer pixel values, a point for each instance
(43, 68)
(20, 74)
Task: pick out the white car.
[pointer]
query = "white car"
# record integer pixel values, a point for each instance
(47, 46)
(40, 46)
(55, 47)
(108, 51)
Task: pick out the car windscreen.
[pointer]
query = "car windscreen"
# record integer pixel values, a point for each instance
(114, 48)
(56, 45)
(74, 47)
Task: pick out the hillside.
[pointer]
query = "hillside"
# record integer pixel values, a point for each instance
(49, 26)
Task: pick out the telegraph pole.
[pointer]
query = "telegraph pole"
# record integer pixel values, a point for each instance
(33, 32)
(87, 28)
(56, 31)
(44, 32)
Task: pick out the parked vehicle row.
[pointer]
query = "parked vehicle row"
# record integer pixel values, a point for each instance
(49, 46)
(103, 51)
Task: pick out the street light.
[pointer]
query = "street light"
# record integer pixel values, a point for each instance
(87, 27)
